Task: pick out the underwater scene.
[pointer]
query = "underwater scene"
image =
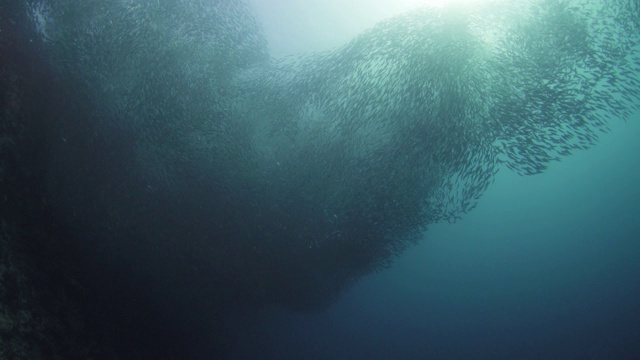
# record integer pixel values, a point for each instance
(288, 179)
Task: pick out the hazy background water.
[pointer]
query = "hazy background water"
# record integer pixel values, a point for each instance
(546, 267)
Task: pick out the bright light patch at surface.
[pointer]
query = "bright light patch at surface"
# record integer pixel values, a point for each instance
(294, 26)
(447, 2)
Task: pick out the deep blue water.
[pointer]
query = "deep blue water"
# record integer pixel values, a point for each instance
(546, 267)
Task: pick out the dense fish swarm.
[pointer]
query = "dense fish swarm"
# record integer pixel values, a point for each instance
(208, 176)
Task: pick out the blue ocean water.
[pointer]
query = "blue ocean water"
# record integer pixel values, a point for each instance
(546, 267)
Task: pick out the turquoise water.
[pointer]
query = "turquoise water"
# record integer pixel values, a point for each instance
(224, 183)
(546, 267)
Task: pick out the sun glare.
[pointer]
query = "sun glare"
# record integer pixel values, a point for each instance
(447, 2)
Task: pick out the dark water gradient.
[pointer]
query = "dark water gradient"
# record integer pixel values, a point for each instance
(546, 267)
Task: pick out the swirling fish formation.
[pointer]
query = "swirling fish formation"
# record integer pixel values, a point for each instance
(207, 172)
